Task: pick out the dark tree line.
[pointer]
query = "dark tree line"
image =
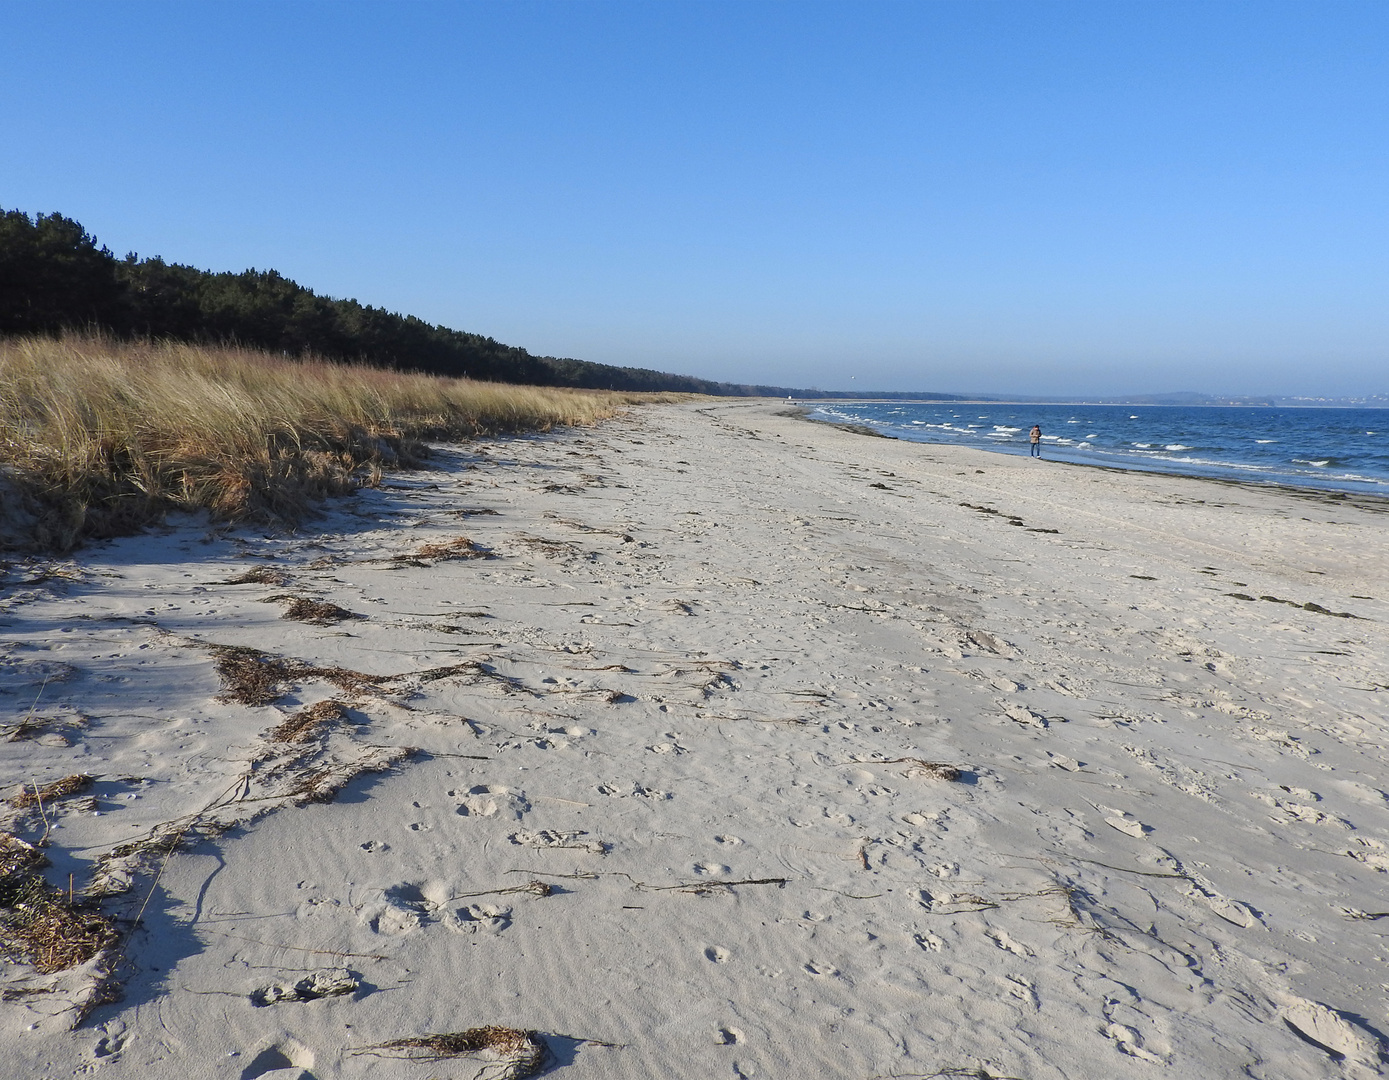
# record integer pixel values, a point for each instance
(54, 277)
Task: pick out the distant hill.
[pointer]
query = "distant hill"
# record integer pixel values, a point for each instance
(54, 276)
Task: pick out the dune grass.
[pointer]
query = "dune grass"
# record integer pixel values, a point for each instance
(100, 438)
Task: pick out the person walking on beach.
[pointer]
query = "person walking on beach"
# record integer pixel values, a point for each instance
(1036, 436)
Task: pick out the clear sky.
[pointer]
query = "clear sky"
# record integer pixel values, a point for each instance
(1035, 197)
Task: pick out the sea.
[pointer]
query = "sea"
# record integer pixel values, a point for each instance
(1332, 449)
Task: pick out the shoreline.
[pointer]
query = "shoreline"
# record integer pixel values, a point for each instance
(725, 744)
(866, 429)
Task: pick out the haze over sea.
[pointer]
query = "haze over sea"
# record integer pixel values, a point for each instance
(1336, 449)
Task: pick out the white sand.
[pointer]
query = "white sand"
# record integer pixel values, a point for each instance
(710, 629)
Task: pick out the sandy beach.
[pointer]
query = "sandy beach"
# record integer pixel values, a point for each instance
(726, 745)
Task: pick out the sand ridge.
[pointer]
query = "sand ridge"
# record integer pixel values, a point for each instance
(726, 745)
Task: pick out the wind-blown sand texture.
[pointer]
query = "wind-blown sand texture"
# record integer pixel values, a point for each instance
(726, 745)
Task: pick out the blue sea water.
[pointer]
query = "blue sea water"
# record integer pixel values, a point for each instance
(1335, 449)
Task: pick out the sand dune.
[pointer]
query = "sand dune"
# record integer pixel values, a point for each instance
(726, 745)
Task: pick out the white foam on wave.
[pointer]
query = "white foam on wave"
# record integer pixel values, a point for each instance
(1315, 464)
(1263, 441)
(1143, 445)
(1001, 427)
(1176, 446)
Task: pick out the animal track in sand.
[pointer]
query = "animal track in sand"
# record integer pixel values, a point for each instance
(717, 954)
(820, 970)
(724, 838)
(729, 1036)
(714, 869)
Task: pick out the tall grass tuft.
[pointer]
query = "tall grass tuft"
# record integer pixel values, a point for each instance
(99, 438)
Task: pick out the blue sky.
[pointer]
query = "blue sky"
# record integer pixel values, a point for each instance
(1043, 198)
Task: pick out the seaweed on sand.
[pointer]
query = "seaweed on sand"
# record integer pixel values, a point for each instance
(518, 1053)
(305, 723)
(50, 793)
(459, 548)
(253, 677)
(260, 575)
(38, 923)
(318, 612)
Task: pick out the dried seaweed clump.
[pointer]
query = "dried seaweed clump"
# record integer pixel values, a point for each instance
(39, 924)
(302, 725)
(522, 1052)
(318, 612)
(250, 676)
(49, 793)
(458, 548)
(17, 856)
(260, 575)
(323, 785)
(253, 677)
(938, 770)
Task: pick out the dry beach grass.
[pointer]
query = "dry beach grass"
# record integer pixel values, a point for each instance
(98, 437)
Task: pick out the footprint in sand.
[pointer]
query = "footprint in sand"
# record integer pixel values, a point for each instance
(712, 869)
(329, 982)
(1123, 821)
(1232, 911)
(487, 800)
(626, 789)
(478, 919)
(717, 954)
(1371, 852)
(724, 838)
(291, 1059)
(1327, 1030)
(553, 838)
(729, 1036)
(1003, 941)
(1022, 715)
(820, 970)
